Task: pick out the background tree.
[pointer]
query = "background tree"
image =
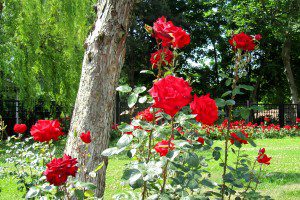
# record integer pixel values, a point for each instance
(42, 48)
(101, 67)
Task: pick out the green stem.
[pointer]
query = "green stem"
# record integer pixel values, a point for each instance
(234, 84)
(165, 171)
(236, 166)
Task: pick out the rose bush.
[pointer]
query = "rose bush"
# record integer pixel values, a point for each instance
(167, 141)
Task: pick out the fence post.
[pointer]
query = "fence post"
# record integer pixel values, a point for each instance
(298, 111)
(281, 115)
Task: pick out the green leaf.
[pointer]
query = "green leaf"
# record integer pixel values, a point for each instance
(228, 82)
(89, 193)
(140, 133)
(79, 194)
(216, 155)
(143, 99)
(226, 94)
(33, 192)
(247, 87)
(136, 181)
(147, 72)
(124, 88)
(252, 142)
(192, 159)
(131, 153)
(230, 102)
(139, 90)
(125, 128)
(220, 102)
(209, 183)
(236, 91)
(132, 99)
(124, 140)
(111, 151)
(127, 173)
(245, 113)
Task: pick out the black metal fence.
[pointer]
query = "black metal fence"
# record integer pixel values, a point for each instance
(282, 114)
(13, 111)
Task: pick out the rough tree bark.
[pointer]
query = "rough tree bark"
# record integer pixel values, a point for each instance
(286, 57)
(94, 107)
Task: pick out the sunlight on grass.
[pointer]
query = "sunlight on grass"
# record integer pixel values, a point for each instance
(282, 175)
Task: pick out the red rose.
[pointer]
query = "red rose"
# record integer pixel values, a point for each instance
(297, 120)
(205, 108)
(262, 157)
(171, 94)
(59, 169)
(163, 147)
(146, 115)
(267, 119)
(161, 57)
(258, 37)
(169, 34)
(200, 140)
(180, 38)
(86, 137)
(46, 130)
(234, 137)
(287, 127)
(114, 126)
(20, 128)
(242, 41)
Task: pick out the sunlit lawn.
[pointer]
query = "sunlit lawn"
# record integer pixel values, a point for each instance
(282, 181)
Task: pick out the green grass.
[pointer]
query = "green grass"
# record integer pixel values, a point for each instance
(282, 175)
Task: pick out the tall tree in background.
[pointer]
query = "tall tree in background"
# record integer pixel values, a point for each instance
(41, 48)
(102, 63)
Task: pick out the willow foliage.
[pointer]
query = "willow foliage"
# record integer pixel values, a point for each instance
(42, 48)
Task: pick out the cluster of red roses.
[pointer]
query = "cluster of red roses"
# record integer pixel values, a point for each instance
(244, 42)
(58, 169)
(168, 36)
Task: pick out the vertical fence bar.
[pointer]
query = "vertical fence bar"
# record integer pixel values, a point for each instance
(298, 110)
(281, 114)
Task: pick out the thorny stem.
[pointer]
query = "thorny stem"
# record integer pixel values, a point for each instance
(49, 147)
(248, 186)
(148, 158)
(64, 187)
(236, 166)
(258, 177)
(165, 171)
(234, 84)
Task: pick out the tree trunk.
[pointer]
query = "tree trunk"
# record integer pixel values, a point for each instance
(94, 107)
(286, 57)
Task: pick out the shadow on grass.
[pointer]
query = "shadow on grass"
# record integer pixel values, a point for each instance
(282, 178)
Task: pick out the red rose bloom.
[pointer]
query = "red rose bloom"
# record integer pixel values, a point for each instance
(20, 128)
(114, 126)
(180, 38)
(86, 137)
(161, 30)
(234, 137)
(205, 108)
(162, 57)
(242, 41)
(258, 37)
(163, 147)
(200, 140)
(146, 115)
(267, 119)
(297, 120)
(46, 130)
(169, 34)
(171, 94)
(59, 169)
(262, 157)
